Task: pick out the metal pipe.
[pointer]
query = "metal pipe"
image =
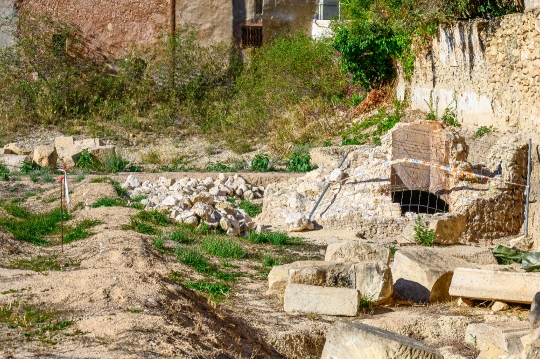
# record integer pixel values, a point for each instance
(324, 190)
(172, 16)
(528, 191)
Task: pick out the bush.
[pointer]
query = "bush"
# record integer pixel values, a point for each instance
(114, 162)
(422, 234)
(300, 160)
(260, 163)
(381, 32)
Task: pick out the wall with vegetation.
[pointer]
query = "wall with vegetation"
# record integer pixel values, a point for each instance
(490, 69)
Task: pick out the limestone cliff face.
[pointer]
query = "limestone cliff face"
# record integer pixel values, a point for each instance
(491, 69)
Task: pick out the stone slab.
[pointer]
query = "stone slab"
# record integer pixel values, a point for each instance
(356, 340)
(422, 275)
(504, 335)
(487, 284)
(13, 162)
(303, 298)
(357, 251)
(278, 278)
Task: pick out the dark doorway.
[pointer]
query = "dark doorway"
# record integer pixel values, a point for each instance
(252, 36)
(419, 202)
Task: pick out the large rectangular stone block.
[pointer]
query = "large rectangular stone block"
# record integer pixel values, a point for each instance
(518, 287)
(321, 300)
(504, 335)
(356, 340)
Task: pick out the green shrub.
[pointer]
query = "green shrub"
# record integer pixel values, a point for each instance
(223, 247)
(380, 32)
(86, 160)
(114, 162)
(300, 160)
(484, 130)
(4, 173)
(422, 234)
(268, 261)
(260, 163)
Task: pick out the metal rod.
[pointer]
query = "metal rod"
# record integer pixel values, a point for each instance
(62, 214)
(528, 191)
(172, 23)
(324, 190)
(172, 39)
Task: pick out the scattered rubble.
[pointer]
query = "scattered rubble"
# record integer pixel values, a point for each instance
(194, 202)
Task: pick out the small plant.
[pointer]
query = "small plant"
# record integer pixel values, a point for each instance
(253, 209)
(193, 257)
(106, 202)
(114, 162)
(450, 117)
(268, 261)
(300, 160)
(158, 243)
(4, 173)
(217, 291)
(223, 247)
(327, 143)
(433, 108)
(37, 264)
(86, 160)
(422, 234)
(134, 310)
(153, 217)
(366, 302)
(80, 231)
(26, 167)
(179, 235)
(377, 141)
(260, 163)
(484, 130)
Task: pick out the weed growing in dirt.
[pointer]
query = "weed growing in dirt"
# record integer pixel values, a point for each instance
(33, 322)
(152, 217)
(217, 291)
(4, 173)
(195, 258)
(422, 234)
(41, 263)
(253, 209)
(268, 261)
(181, 235)
(115, 202)
(134, 310)
(86, 161)
(366, 302)
(114, 162)
(223, 247)
(159, 243)
(80, 231)
(260, 163)
(484, 130)
(300, 160)
(275, 238)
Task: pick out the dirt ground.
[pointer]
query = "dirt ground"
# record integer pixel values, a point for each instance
(116, 297)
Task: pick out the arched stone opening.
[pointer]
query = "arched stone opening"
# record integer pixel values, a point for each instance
(419, 202)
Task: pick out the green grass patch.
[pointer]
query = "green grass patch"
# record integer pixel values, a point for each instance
(152, 217)
(195, 258)
(41, 263)
(216, 291)
(181, 235)
(223, 247)
(276, 238)
(80, 231)
(145, 222)
(269, 261)
(31, 321)
(253, 209)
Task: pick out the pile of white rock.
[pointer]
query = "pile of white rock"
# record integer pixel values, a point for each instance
(194, 202)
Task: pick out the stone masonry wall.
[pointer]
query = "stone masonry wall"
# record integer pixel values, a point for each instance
(8, 16)
(491, 69)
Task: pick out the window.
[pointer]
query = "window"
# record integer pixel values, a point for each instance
(252, 36)
(329, 10)
(258, 7)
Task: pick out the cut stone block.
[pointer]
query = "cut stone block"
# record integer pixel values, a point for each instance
(422, 275)
(321, 300)
(324, 274)
(45, 156)
(504, 335)
(278, 278)
(64, 142)
(89, 143)
(349, 251)
(517, 287)
(102, 152)
(13, 149)
(356, 340)
(374, 281)
(448, 228)
(13, 162)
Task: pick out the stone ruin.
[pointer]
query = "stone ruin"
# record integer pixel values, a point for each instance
(384, 202)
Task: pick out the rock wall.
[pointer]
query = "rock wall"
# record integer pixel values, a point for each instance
(288, 14)
(8, 16)
(111, 27)
(490, 68)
